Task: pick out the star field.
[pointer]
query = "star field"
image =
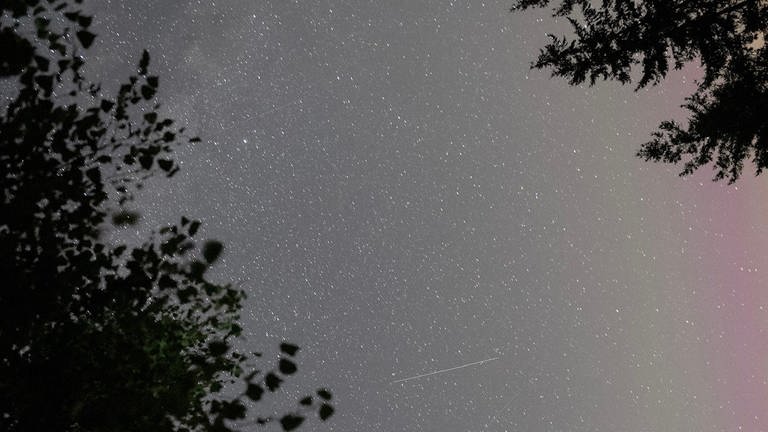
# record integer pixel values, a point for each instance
(400, 194)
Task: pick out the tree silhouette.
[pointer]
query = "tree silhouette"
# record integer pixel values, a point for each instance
(630, 40)
(96, 336)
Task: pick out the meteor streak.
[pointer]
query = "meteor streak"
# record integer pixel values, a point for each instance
(444, 370)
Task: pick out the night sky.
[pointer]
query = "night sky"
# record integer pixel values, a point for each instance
(399, 194)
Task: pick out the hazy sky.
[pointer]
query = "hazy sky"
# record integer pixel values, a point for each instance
(400, 194)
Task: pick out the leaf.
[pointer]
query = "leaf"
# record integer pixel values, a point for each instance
(146, 161)
(94, 175)
(86, 38)
(197, 269)
(325, 412)
(289, 348)
(165, 164)
(193, 227)
(212, 250)
(85, 21)
(147, 92)
(290, 422)
(272, 381)
(307, 401)
(254, 392)
(233, 410)
(325, 394)
(218, 348)
(125, 218)
(235, 330)
(106, 105)
(144, 62)
(169, 136)
(287, 367)
(164, 124)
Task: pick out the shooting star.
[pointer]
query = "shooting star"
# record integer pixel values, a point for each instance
(444, 370)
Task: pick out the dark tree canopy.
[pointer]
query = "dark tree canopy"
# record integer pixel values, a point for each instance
(640, 40)
(97, 336)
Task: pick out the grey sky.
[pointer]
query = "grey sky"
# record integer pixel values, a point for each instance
(400, 194)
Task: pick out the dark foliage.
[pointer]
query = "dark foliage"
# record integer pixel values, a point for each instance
(96, 336)
(633, 40)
